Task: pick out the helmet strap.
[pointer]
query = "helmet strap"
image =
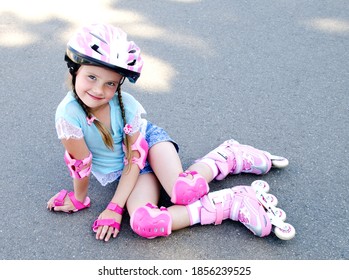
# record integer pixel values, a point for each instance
(72, 66)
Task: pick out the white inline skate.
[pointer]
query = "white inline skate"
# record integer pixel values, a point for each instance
(277, 216)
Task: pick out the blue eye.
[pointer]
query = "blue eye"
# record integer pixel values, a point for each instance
(92, 77)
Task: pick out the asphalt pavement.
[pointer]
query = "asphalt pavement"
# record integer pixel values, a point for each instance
(271, 74)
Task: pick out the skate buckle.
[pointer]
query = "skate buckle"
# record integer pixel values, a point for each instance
(223, 155)
(217, 200)
(218, 204)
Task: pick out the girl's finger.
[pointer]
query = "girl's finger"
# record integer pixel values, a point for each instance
(64, 208)
(109, 234)
(103, 232)
(115, 232)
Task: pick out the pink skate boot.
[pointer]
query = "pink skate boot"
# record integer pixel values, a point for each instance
(233, 158)
(239, 204)
(189, 187)
(149, 221)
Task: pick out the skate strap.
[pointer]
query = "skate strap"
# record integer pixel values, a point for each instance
(238, 160)
(218, 202)
(221, 202)
(236, 208)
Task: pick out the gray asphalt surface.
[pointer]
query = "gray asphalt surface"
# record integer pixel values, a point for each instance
(272, 74)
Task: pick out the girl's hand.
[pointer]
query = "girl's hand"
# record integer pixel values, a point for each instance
(105, 232)
(66, 207)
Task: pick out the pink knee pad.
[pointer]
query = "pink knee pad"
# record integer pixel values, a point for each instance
(149, 221)
(186, 191)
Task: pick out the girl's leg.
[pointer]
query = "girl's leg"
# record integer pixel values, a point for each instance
(146, 190)
(180, 216)
(165, 162)
(204, 170)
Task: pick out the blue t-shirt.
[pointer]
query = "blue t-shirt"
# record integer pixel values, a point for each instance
(104, 160)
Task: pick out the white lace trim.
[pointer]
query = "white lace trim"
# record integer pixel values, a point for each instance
(105, 179)
(138, 122)
(65, 130)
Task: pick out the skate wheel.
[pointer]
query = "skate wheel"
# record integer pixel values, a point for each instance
(272, 199)
(281, 214)
(287, 232)
(278, 162)
(260, 185)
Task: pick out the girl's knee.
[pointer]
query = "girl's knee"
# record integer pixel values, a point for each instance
(149, 221)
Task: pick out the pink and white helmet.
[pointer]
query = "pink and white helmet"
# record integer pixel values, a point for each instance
(107, 46)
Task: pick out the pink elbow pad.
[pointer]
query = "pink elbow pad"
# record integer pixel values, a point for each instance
(78, 168)
(140, 146)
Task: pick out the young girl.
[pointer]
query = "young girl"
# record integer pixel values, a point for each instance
(103, 132)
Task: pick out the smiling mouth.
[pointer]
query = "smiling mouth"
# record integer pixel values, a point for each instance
(94, 97)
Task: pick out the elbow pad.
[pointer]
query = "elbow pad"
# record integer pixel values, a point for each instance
(78, 168)
(140, 146)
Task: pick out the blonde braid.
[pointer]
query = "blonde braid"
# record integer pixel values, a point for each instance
(126, 141)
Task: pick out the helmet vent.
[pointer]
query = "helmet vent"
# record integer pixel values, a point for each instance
(94, 35)
(132, 63)
(95, 48)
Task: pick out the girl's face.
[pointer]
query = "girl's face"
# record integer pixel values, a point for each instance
(95, 85)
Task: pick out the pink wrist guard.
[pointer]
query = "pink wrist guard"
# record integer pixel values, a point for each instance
(115, 207)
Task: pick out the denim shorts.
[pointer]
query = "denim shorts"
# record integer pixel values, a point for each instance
(153, 135)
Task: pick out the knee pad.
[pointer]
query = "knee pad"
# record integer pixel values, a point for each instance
(78, 168)
(188, 190)
(141, 146)
(149, 221)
